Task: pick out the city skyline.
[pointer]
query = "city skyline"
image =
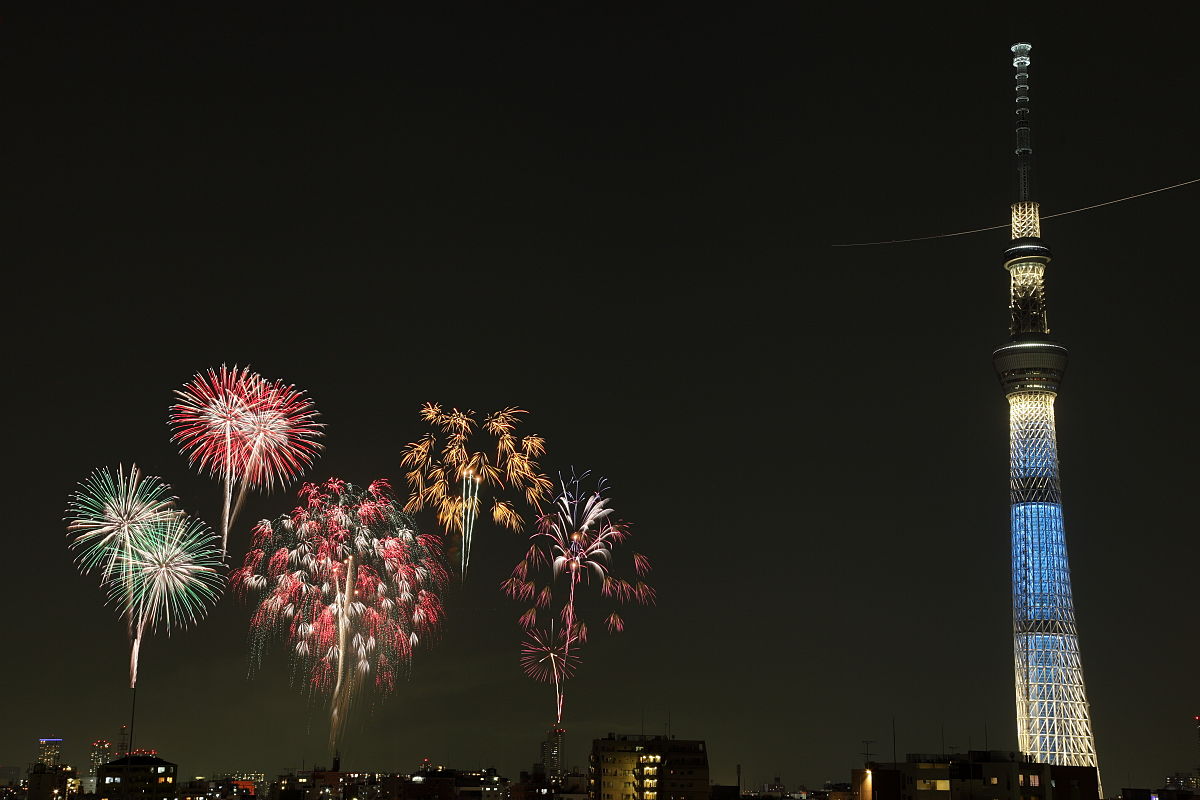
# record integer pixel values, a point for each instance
(648, 200)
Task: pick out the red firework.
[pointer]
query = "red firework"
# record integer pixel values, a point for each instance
(349, 583)
(246, 431)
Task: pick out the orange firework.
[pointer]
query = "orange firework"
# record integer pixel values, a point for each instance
(446, 474)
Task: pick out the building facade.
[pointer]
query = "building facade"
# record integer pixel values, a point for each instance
(138, 777)
(50, 752)
(639, 767)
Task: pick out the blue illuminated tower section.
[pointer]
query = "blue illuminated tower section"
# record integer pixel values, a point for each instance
(1054, 724)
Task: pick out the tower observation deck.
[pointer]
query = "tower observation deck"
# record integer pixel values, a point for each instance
(1054, 723)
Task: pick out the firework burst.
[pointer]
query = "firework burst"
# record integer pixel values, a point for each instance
(350, 584)
(246, 431)
(547, 658)
(574, 544)
(159, 567)
(106, 510)
(436, 466)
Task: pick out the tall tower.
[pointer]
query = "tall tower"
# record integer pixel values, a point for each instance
(1054, 725)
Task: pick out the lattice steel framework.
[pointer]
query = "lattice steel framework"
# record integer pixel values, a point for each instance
(1053, 721)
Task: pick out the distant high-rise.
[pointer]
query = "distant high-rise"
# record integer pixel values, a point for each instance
(552, 754)
(50, 752)
(100, 753)
(1054, 724)
(639, 767)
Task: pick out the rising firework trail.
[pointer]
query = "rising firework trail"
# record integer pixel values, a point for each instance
(159, 567)
(574, 543)
(246, 431)
(436, 464)
(152, 558)
(168, 577)
(350, 584)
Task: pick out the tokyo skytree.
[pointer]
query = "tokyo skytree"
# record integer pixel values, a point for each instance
(1054, 723)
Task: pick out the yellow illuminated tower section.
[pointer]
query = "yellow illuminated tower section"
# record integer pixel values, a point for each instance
(1054, 723)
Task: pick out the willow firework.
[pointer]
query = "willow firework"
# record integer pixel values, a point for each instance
(160, 568)
(350, 584)
(574, 545)
(247, 431)
(446, 474)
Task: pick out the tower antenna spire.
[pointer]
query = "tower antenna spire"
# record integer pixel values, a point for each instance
(1024, 121)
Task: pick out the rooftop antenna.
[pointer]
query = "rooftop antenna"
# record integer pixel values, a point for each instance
(866, 751)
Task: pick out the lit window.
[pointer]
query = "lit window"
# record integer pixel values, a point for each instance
(1035, 780)
(993, 780)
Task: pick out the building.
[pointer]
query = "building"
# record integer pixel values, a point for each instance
(978, 775)
(1054, 723)
(427, 783)
(98, 754)
(10, 775)
(640, 767)
(535, 786)
(51, 782)
(50, 752)
(1183, 780)
(138, 777)
(1165, 793)
(101, 751)
(552, 754)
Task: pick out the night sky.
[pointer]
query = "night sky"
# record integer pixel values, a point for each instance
(619, 218)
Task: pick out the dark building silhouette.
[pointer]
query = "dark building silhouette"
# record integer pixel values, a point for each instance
(50, 781)
(137, 777)
(977, 775)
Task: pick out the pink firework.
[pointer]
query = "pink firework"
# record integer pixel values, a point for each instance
(350, 584)
(574, 544)
(246, 431)
(547, 658)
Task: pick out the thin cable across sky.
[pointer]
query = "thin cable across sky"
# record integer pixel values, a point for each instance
(1005, 225)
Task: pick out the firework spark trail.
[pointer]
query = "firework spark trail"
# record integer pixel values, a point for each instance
(246, 431)
(470, 513)
(575, 540)
(434, 465)
(156, 564)
(350, 584)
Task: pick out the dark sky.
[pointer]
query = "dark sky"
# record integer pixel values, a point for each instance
(619, 218)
